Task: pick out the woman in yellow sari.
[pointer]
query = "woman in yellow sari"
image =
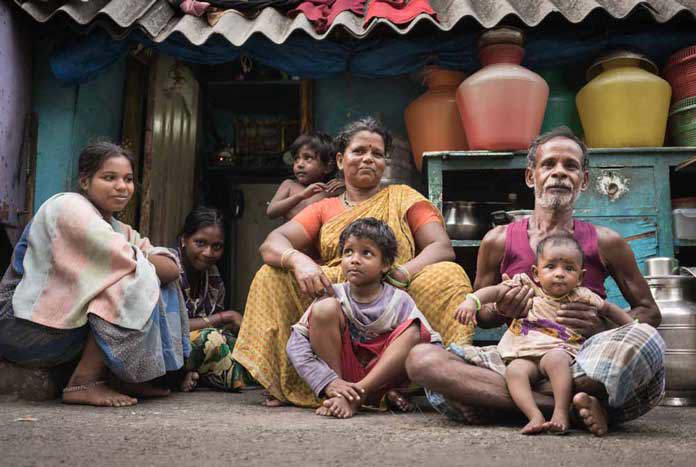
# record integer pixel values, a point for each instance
(284, 288)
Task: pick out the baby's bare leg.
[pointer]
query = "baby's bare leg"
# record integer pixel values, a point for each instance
(555, 365)
(519, 375)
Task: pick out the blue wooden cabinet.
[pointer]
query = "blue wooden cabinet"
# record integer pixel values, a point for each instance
(629, 192)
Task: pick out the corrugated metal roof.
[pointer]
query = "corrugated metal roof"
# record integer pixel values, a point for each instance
(159, 20)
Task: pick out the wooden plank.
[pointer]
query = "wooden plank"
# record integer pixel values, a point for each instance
(170, 155)
(146, 198)
(133, 130)
(434, 168)
(665, 235)
(29, 147)
(306, 106)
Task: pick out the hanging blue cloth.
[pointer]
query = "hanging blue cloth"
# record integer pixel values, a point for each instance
(81, 59)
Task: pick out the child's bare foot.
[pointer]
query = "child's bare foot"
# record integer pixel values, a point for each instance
(97, 393)
(323, 411)
(340, 407)
(558, 425)
(144, 390)
(591, 413)
(535, 426)
(190, 382)
(398, 401)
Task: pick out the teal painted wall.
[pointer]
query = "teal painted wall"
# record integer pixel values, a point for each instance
(69, 117)
(340, 100)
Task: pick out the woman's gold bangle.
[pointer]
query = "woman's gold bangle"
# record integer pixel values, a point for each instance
(284, 257)
(207, 321)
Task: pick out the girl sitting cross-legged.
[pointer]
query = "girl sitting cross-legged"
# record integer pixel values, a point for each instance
(351, 348)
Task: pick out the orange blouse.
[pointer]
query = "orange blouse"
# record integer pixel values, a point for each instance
(315, 215)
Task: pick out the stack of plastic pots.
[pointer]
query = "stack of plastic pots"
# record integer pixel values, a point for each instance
(680, 72)
(682, 122)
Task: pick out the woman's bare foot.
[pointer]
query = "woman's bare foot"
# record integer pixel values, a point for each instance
(558, 425)
(398, 401)
(339, 407)
(272, 402)
(190, 382)
(535, 426)
(144, 390)
(323, 411)
(591, 413)
(97, 393)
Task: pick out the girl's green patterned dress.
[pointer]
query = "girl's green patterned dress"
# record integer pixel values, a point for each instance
(211, 348)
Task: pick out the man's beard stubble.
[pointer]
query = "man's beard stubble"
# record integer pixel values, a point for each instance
(554, 202)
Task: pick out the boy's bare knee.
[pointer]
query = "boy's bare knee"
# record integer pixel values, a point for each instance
(326, 312)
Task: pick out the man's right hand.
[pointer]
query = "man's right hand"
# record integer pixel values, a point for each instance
(310, 277)
(516, 302)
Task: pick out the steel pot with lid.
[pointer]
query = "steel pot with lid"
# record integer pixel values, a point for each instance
(676, 299)
(468, 220)
(462, 221)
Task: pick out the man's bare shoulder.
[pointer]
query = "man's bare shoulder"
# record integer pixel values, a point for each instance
(608, 238)
(614, 250)
(495, 238)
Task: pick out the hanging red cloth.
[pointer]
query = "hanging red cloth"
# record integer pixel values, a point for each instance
(321, 13)
(398, 11)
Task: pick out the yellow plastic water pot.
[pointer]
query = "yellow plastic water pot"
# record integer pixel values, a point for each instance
(624, 104)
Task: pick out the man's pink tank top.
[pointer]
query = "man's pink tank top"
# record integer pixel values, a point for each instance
(519, 256)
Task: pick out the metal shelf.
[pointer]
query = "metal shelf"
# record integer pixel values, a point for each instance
(466, 243)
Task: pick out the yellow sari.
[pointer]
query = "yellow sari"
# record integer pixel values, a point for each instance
(274, 303)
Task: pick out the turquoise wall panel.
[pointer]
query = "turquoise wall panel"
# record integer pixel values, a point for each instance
(340, 100)
(69, 117)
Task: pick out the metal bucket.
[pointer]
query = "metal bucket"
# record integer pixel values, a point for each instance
(400, 169)
(676, 299)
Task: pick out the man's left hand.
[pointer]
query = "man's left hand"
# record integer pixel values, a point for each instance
(581, 317)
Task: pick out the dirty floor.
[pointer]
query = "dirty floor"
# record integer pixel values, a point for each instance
(217, 429)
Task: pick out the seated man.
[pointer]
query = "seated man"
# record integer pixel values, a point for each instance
(619, 373)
